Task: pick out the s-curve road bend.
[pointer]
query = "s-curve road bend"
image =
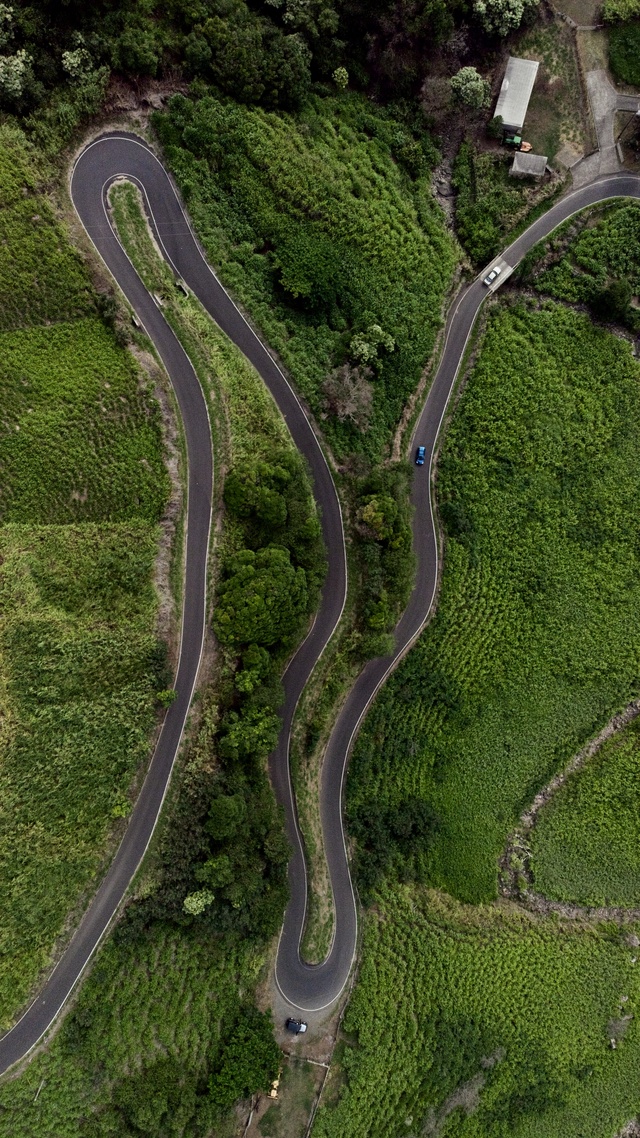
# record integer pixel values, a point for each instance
(313, 988)
(107, 158)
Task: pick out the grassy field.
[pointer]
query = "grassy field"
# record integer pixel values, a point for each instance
(42, 279)
(535, 640)
(82, 488)
(80, 668)
(555, 116)
(324, 227)
(79, 438)
(486, 1023)
(585, 842)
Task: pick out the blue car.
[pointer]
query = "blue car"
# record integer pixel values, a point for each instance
(420, 453)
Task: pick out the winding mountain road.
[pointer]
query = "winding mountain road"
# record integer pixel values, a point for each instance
(304, 987)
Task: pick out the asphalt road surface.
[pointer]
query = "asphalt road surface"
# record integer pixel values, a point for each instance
(303, 986)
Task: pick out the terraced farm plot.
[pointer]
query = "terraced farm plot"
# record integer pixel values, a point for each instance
(536, 637)
(80, 668)
(585, 842)
(487, 1023)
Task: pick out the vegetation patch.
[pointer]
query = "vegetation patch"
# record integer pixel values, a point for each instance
(534, 643)
(486, 1021)
(42, 279)
(594, 259)
(585, 842)
(555, 115)
(624, 52)
(149, 1047)
(324, 226)
(80, 439)
(489, 203)
(82, 488)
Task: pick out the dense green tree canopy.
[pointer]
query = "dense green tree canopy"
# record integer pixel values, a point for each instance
(262, 599)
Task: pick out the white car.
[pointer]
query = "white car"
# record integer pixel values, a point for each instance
(492, 276)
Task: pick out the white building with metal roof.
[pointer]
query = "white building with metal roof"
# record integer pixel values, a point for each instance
(515, 92)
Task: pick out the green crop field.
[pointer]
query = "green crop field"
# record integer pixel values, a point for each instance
(324, 226)
(42, 278)
(587, 253)
(585, 843)
(79, 439)
(80, 668)
(487, 1023)
(148, 1031)
(82, 488)
(536, 637)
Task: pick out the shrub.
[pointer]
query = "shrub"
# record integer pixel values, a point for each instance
(618, 11)
(624, 52)
(471, 89)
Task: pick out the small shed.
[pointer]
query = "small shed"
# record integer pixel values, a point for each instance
(528, 165)
(515, 92)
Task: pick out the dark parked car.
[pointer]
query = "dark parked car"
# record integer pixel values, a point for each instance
(420, 453)
(297, 1026)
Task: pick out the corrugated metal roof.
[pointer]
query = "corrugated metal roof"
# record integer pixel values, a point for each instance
(532, 164)
(515, 92)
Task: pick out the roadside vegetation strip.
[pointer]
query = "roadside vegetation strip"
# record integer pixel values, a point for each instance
(241, 856)
(83, 487)
(486, 1021)
(585, 843)
(534, 643)
(593, 259)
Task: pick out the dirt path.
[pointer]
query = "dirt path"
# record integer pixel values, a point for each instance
(516, 876)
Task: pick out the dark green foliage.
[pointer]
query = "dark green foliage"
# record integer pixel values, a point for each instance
(624, 52)
(495, 127)
(534, 642)
(613, 302)
(395, 840)
(249, 57)
(595, 261)
(489, 203)
(272, 502)
(385, 556)
(324, 225)
(262, 598)
(250, 1060)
